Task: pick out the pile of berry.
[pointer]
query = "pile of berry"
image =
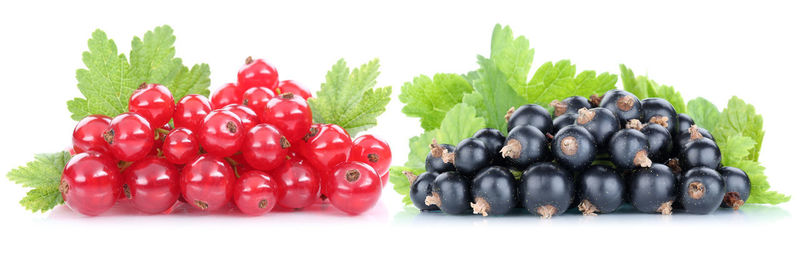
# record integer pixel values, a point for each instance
(606, 151)
(254, 143)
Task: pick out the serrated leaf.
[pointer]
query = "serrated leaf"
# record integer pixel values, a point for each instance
(496, 96)
(43, 174)
(549, 78)
(194, 81)
(365, 115)
(740, 118)
(736, 148)
(418, 149)
(768, 197)
(153, 59)
(42, 199)
(459, 123)
(704, 113)
(430, 99)
(513, 56)
(643, 88)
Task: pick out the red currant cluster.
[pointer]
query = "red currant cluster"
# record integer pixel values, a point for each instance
(254, 143)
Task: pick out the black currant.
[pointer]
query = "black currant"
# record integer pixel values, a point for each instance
(600, 122)
(686, 136)
(660, 111)
(701, 190)
(659, 141)
(494, 191)
(530, 114)
(421, 188)
(546, 189)
(622, 103)
(450, 192)
(599, 189)
(574, 148)
(524, 146)
(652, 189)
(564, 121)
(569, 105)
(684, 122)
(434, 162)
(699, 152)
(628, 149)
(470, 157)
(494, 140)
(737, 187)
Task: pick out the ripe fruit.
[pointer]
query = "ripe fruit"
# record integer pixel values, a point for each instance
(574, 148)
(652, 189)
(623, 104)
(420, 188)
(90, 183)
(434, 162)
(354, 187)
(290, 86)
(226, 95)
(686, 136)
(524, 146)
(660, 111)
(494, 190)
(373, 151)
(599, 189)
(180, 146)
(245, 114)
(684, 122)
(154, 102)
(699, 152)
(494, 140)
(88, 134)
(701, 190)
(659, 141)
(470, 157)
(256, 99)
(129, 137)
(530, 114)
(600, 122)
(255, 193)
(299, 183)
(546, 189)
(221, 133)
(570, 105)
(152, 185)
(327, 145)
(737, 187)
(190, 112)
(628, 149)
(563, 121)
(290, 114)
(257, 73)
(264, 147)
(207, 182)
(450, 192)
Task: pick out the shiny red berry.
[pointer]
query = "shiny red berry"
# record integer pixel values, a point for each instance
(190, 112)
(265, 148)
(88, 134)
(129, 137)
(154, 102)
(298, 183)
(290, 114)
(180, 146)
(291, 86)
(257, 73)
(246, 115)
(226, 95)
(221, 133)
(255, 193)
(354, 187)
(373, 151)
(90, 183)
(207, 182)
(152, 185)
(326, 145)
(256, 99)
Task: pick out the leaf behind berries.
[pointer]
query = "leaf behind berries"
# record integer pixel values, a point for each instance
(643, 88)
(740, 118)
(493, 96)
(430, 99)
(704, 113)
(43, 174)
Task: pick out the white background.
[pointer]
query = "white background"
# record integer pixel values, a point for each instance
(709, 49)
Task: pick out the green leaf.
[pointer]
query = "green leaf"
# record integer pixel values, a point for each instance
(460, 122)
(194, 81)
(43, 174)
(513, 56)
(400, 182)
(431, 99)
(550, 78)
(704, 113)
(644, 87)
(493, 97)
(153, 59)
(736, 148)
(349, 99)
(740, 118)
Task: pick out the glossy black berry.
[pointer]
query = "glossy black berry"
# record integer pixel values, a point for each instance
(701, 190)
(494, 140)
(574, 148)
(564, 121)
(628, 149)
(546, 189)
(494, 191)
(600, 122)
(684, 122)
(700, 152)
(599, 189)
(622, 103)
(737, 187)
(569, 105)
(421, 188)
(659, 141)
(450, 192)
(530, 114)
(684, 137)
(524, 146)
(658, 110)
(470, 157)
(434, 162)
(652, 189)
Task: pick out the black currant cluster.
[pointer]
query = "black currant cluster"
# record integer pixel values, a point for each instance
(605, 151)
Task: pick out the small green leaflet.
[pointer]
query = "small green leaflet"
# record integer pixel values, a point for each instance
(109, 78)
(43, 174)
(741, 118)
(704, 113)
(513, 56)
(493, 97)
(644, 87)
(558, 81)
(430, 99)
(350, 99)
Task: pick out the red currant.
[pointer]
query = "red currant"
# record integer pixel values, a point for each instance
(372, 151)
(221, 133)
(290, 114)
(257, 73)
(257, 98)
(298, 184)
(265, 148)
(129, 137)
(191, 111)
(207, 182)
(154, 102)
(246, 115)
(90, 183)
(326, 145)
(354, 187)
(226, 95)
(88, 134)
(152, 185)
(291, 86)
(255, 193)
(180, 146)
